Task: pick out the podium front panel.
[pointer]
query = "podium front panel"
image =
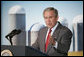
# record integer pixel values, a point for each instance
(15, 50)
(29, 51)
(20, 51)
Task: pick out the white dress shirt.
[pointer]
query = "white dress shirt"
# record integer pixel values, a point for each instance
(53, 29)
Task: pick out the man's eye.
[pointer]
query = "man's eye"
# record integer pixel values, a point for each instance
(45, 17)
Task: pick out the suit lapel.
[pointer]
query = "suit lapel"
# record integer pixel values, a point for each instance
(43, 37)
(56, 32)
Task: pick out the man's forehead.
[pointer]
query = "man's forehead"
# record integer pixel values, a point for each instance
(50, 11)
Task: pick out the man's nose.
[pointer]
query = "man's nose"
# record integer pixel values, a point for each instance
(48, 19)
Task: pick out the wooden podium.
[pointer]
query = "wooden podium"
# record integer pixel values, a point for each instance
(20, 51)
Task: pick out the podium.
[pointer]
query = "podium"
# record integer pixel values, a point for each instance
(8, 50)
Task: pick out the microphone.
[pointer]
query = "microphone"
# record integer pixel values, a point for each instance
(13, 33)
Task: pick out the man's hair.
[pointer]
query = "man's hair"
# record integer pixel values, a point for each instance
(50, 9)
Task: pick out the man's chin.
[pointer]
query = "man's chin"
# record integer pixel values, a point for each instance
(49, 26)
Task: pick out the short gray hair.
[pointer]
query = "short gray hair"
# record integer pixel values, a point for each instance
(50, 9)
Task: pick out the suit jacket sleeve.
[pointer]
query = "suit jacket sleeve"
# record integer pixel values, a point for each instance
(65, 41)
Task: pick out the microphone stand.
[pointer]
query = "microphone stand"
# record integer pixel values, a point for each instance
(10, 40)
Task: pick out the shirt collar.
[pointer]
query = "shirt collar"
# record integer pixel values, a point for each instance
(53, 29)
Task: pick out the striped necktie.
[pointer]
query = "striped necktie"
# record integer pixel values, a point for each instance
(47, 41)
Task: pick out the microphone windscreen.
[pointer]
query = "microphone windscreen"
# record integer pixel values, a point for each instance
(18, 31)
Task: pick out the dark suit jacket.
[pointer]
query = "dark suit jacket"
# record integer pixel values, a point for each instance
(61, 34)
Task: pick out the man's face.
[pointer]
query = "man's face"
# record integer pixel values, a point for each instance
(50, 19)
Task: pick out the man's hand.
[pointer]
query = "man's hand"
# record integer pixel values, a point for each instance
(51, 40)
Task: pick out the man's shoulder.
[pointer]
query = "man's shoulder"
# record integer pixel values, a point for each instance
(43, 29)
(64, 29)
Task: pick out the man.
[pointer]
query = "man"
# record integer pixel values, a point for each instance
(55, 39)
